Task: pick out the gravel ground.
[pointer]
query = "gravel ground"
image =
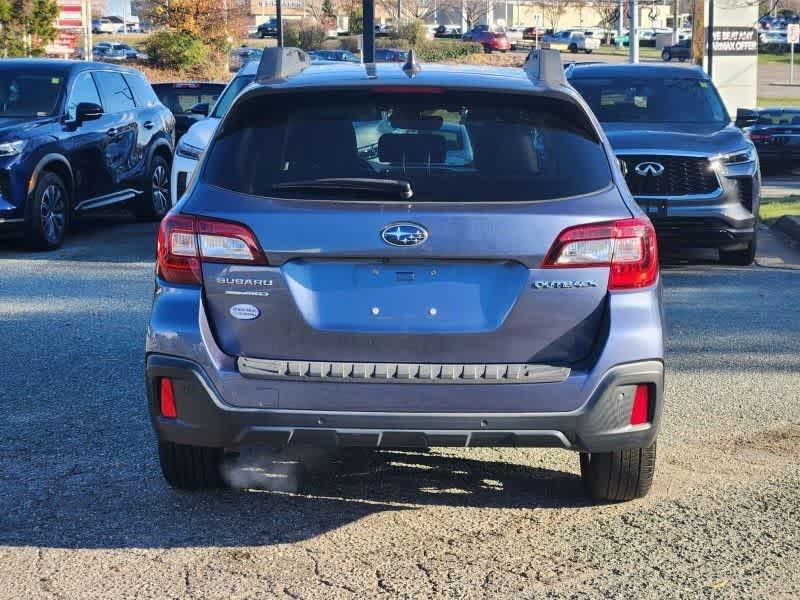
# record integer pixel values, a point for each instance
(84, 511)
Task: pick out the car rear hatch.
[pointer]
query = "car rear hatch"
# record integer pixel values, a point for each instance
(453, 275)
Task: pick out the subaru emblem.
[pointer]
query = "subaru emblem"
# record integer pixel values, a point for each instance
(403, 234)
(649, 168)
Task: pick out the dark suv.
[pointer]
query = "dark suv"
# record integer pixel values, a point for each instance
(689, 167)
(75, 136)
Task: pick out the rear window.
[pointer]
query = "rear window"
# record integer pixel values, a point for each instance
(459, 147)
(652, 100)
(182, 97)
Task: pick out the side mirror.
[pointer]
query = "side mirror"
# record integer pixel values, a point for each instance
(746, 117)
(87, 111)
(201, 108)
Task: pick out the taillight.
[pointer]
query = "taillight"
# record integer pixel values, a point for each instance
(758, 137)
(628, 247)
(185, 242)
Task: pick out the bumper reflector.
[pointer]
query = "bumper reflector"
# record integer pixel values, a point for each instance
(168, 409)
(640, 413)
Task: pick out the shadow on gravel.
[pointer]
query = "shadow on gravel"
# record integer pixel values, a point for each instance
(81, 510)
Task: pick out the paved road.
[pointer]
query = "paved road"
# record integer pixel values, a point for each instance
(84, 512)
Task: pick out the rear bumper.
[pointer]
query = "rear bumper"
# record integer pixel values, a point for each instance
(600, 424)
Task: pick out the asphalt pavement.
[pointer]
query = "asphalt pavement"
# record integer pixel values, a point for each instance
(84, 511)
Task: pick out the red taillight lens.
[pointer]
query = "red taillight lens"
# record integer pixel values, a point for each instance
(185, 242)
(628, 247)
(167, 395)
(759, 137)
(177, 260)
(640, 412)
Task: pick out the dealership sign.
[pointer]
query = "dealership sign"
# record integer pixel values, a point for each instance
(735, 41)
(69, 22)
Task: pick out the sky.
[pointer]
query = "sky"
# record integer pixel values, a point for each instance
(115, 7)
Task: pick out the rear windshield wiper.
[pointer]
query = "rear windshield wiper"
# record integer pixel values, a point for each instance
(359, 185)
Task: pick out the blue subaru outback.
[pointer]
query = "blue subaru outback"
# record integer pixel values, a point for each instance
(402, 256)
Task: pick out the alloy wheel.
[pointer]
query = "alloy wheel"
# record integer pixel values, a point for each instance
(53, 213)
(160, 184)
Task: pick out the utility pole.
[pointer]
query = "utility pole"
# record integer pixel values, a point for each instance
(710, 40)
(675, 21)
(368, 33)
(633, 34)
(620, 17)
(279, 19)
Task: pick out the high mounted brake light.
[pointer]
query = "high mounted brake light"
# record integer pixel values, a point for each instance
(185, 242)
(628, 247)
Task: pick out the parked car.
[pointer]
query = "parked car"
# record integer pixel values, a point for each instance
(77, 136)
(336, 55)
(682, 51)
(106, 25)
(514, 35)
(572, 41)
(390, 55)
(447, 31)
(533, 33)
(490, 40)
(407, 299)
(268, 28)
(243, 55)
(189, 101)
(693, 172)
(193, 143)
(775, 133)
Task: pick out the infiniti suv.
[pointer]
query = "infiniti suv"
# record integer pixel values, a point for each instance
(402, 256)
(688, 166)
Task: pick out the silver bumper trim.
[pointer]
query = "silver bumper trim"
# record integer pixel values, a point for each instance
(443, 374)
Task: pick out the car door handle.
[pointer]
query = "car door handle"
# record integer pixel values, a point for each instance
(148, 124)
(112, 131)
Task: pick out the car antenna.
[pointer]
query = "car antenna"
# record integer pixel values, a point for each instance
(411, 66)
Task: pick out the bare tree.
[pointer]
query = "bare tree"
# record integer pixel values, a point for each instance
(472, 11)
(99, 8)
(414, 10)
(553, 10)
(609, 15)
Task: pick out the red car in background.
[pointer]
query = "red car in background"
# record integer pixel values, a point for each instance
(490, 40)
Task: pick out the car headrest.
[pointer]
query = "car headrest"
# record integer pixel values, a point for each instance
(412, 148)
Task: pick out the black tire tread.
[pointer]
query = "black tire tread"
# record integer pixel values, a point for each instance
(191, 467)
(619, 475)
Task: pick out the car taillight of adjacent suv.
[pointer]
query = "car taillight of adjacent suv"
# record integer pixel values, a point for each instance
(370, 259)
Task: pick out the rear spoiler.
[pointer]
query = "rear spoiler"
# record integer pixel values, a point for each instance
(280, 63)
(544, 66)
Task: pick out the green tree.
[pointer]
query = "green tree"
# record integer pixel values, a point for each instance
(26, 26)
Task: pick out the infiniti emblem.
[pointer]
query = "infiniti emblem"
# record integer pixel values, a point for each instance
(649, 168)
(403, 234)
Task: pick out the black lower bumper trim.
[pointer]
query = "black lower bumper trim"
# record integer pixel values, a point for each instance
(204, 420)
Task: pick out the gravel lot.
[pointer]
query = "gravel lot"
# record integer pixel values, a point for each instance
(84, 511)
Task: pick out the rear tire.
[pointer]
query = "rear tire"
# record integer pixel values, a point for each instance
(49, 213)
(588, 51)
(619, 475)
(191, 467)
(573, 48)
(740, 258)
(156, 201)
(666, 56)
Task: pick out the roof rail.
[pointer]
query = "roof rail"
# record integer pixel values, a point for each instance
(545, 66)
(280, 63)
